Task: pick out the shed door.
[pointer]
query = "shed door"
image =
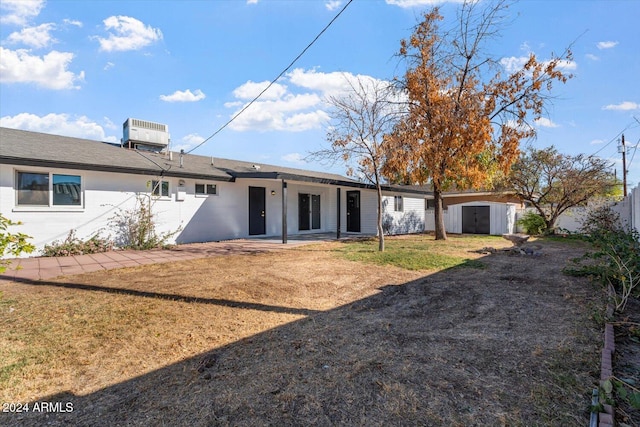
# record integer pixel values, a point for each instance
(476, 219)
(257, 214)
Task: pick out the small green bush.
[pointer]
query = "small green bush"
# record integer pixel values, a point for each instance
(136, 228)
(532, 223)
(12, 243)
(72, 245)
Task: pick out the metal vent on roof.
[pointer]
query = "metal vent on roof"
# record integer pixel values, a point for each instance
(145, 135)
(148, 125)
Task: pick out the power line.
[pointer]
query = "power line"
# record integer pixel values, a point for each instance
(235, 116)
(614, 138)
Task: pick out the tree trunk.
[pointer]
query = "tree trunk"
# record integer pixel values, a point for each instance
(441, 232)
(380, 230)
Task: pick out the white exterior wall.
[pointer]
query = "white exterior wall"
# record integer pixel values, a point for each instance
(368, 212)
(199, 218)
(225, 215)
(410, 220)
(502, 218)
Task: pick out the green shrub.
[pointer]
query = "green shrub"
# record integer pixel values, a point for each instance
(12, 243)
(75, 246)
(532, 223)
(136, 228)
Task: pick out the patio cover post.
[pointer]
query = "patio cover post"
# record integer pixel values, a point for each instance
(338, 221)
(284, 212)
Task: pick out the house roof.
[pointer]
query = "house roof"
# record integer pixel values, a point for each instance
(28, 148)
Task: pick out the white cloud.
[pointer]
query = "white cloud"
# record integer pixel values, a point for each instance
(109, 124)
(187, 142)
(566, 65)
(516, 63)
(49, 71)
(305, 121)
(296, 106)
(72, 22)
(597, 141)
(252, 1)
(623, 106)
(325, 83)
(184, 96)
(329, 84)
(250, 90)
(19, 12)
(289, 113)
(332, 4)
(606, 45)
(37, 37)
(58, 124)
(513, 63)
(128, 34)
(592, 57)
(418, 3)
(296, 158)
(546, 123)
(109, 65)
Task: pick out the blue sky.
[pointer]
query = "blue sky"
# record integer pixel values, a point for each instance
(81, 68)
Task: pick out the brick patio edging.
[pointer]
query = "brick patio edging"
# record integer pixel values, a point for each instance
(606, 418)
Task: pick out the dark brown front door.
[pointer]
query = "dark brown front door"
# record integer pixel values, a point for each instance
(353, 211)
(315, 212)
(308, 211)
(303, 211)
(257, 212)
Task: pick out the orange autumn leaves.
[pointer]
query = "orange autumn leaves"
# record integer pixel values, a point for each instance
(462, 128)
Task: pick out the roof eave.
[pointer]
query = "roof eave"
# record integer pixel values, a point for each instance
(109, 168)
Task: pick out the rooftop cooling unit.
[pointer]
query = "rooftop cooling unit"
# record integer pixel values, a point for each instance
(145, 135)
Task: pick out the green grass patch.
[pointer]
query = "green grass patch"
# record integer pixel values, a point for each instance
(420, 252)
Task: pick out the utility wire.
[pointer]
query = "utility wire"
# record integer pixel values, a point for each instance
(235, 116)
(614, 138)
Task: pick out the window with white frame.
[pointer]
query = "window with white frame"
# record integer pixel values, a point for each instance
(206, 189)
(160, 188)
(398, 205)
(48, 189)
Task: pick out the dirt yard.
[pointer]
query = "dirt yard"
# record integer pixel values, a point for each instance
(305, 337)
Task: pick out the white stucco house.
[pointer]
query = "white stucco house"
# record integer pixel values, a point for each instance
(54, 184)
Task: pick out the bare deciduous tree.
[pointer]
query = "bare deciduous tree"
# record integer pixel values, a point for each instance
(553, 182)
(360, 118)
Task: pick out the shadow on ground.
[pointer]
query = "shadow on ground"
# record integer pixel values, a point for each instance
(502, 345)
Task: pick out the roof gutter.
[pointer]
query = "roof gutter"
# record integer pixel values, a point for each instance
(109, 168)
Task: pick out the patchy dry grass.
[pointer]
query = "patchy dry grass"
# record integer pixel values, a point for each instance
(420, 252)
(307, 337)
